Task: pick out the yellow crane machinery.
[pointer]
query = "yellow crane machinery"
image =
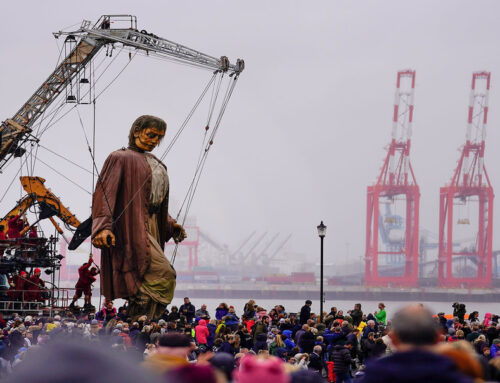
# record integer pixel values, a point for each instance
(49, 205)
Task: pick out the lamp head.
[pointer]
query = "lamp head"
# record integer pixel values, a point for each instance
(322, 229)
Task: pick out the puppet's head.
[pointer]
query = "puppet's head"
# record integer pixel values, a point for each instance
(146, 133)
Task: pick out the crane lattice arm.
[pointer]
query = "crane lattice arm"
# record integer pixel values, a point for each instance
(15, 132)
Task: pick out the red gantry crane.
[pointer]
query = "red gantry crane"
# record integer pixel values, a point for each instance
(395, 186)
(470, 188)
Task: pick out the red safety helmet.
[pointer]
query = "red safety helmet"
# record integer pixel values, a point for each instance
(23, 273)
(37, 270)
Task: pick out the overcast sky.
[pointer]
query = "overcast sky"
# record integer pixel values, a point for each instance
(305, 131)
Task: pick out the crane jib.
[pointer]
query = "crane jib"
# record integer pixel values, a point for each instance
(15, 132)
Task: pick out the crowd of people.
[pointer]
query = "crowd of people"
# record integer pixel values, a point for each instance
(190, 344)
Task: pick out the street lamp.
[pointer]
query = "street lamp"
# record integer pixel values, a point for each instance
(321, 233)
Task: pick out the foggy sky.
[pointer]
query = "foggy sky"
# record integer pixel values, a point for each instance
(305, 131)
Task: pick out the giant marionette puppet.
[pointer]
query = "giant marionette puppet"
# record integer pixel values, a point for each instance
(131, 224)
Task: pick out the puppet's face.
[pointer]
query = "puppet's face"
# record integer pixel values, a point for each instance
(148, 139)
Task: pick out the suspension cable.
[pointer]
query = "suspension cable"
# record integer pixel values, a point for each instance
(196, 179)
(176, 136)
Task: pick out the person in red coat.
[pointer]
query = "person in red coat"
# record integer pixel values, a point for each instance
(202, 333)
(33, 232)
(16, 225)
(34, 286)
(17, 285)
(86, 276)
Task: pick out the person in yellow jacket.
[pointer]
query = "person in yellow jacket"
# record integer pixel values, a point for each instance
(361, 327)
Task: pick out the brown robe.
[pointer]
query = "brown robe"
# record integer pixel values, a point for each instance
(125, 181)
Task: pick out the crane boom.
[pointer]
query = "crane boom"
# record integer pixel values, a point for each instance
(38, 193)
(15, 132)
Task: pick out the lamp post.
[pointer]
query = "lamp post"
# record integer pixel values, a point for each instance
(321, 233)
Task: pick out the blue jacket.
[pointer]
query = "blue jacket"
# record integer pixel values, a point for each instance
(333, 338)
(227, 347)
(288, 342)
(233, 320)
(367, 330)
(220, 313)
(414, 366)
(493, 350)
(211, 335)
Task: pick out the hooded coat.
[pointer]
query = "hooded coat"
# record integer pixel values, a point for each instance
(121, 204)
(288, 342)
(202, 332)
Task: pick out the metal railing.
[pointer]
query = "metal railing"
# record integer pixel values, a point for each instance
(39, 302)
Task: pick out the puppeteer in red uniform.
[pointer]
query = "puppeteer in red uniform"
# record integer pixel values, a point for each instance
(17, 285)
(34, 286)
(86, 276)
(15, 225)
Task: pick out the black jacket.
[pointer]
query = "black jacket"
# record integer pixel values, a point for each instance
(368, 348)
(341, 358)
(315, 362)
(188, 310)
(356, 316)
(305, 314)
(307, 341)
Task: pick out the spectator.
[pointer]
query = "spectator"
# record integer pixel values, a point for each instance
(492, 333)
(370, 328)
(202, 334)
(188, 310)
(108, 312)
(249, 310)
(277, 343)
(307, 341)
(231, 319)
(487, 320)
(57, 362)
(174, 314)
(288, 342)
(341, 358)
(260, 312)
(228, 345)
(253, 369)
(202, 312)
(221, 311)
(315, 359)
(414, 331)
(480, 344)
(473, 335)
(381, 314)
(356, 315)
(300, 332)
(494, 348)
(305, 312)
(173, 350)
(368, 347)
(261, 327)
(260, 343)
